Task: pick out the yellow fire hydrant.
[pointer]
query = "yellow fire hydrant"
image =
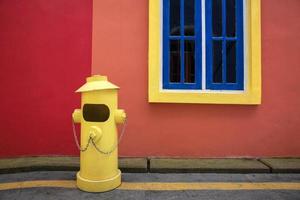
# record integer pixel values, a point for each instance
(98, 117)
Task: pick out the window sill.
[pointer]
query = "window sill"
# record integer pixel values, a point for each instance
(245, 98)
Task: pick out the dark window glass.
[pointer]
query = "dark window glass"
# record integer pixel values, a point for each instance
(175, 61)
(189, 17)
(217, 61)
(217, 17)
(174, 17)
(230, 17)
(95, 112)
(189, 61)
(231, 61)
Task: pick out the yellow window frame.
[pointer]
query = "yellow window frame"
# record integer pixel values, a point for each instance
(252, 93)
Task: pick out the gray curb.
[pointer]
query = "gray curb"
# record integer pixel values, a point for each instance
(158, 165)
(23, 164)
(282, 165)
(229, 165)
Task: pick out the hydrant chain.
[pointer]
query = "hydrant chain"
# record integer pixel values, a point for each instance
(91, 140)
(76, 139)
(116, 143)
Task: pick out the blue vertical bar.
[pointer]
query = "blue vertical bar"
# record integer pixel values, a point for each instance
(166, 45)
(224, 52)
(198, 43)
(240, 44)
(182, 71)
(209, 50)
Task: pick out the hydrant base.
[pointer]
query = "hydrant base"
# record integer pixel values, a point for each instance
(98, 186)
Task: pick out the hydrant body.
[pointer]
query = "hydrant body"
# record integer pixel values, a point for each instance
(98, 117)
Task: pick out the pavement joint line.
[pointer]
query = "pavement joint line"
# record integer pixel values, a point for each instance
(148, 164)
(160, 186)
(266, 164)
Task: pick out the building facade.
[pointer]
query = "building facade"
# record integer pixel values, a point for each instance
(49, 48)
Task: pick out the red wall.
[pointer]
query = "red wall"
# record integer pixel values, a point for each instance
(45, 49)
(271, 129)
(45, 54)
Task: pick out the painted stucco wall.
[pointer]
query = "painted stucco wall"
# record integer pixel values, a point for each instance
(45, 49)
(45, 54)
(120, 42)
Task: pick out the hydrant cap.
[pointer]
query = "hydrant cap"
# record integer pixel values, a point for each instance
(96, 82)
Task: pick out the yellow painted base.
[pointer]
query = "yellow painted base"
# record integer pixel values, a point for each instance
(98, 186)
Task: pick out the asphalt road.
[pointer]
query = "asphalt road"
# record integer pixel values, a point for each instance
(155, 186)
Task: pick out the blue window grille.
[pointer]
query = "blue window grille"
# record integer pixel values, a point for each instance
(224, 45)
(182, 44)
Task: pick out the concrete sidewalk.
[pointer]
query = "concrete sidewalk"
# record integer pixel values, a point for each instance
(160, 165)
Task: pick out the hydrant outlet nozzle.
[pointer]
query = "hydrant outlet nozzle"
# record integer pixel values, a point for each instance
(95, 133)
(76, 115)
(120, 116)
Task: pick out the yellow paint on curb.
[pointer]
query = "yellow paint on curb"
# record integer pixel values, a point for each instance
(160, 186)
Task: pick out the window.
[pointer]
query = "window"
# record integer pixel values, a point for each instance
(204, 51)
(182, 44)
(224, 44)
